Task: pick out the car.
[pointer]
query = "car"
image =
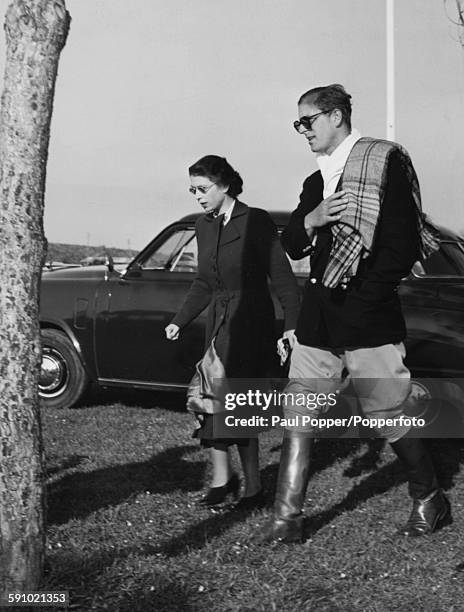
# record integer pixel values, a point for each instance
(105, 325)
(94, 260)
(52, 265)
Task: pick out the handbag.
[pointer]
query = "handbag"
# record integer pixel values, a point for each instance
(208, 387)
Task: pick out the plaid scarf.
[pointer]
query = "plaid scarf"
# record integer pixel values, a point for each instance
(364, 181)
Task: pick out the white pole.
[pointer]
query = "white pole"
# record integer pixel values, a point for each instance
(390, 36)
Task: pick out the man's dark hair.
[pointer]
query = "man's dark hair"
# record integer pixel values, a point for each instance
(329, 98)
(218, 170)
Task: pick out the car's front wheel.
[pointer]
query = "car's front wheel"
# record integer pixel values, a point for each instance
(63, 379)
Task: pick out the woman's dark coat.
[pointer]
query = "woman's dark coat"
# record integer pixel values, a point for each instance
(234, 264)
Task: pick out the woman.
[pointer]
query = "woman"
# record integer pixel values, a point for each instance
(238, 249)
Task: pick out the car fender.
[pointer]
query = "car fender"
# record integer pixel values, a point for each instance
(62, 326)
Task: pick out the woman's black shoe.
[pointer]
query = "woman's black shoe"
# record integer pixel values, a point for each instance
(216, 495)
(252, 502)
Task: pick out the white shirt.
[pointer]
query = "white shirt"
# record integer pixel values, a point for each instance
(228, 214)
(331, 166)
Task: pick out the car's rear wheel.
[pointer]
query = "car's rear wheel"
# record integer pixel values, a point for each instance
(62, 380)
(439, 403)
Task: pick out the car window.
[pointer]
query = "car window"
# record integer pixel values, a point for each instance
(448, 261)
(178, 253)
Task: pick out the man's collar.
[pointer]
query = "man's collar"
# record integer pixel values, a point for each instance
(331, 166)
(340, 153)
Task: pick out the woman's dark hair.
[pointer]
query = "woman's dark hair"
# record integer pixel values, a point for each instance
(219, 171)
(329, 98)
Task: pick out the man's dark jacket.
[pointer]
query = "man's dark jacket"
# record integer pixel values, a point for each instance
(368, 312)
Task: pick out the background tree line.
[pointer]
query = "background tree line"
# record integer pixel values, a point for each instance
(73, 253)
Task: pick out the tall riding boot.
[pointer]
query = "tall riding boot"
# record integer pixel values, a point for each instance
(292, 480)
(430, 506)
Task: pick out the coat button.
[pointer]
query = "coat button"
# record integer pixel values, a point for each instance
(313, 281)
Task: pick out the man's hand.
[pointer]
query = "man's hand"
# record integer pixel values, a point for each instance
(172, 331)
(329, 211)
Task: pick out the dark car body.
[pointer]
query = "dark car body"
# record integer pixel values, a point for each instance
(106, 326)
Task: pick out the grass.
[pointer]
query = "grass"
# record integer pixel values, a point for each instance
(125, 534)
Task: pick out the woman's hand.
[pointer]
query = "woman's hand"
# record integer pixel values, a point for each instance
(290, 335)
(329, 211)
(172, 331)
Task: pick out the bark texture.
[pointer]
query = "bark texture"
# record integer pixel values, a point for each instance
(36, 31)
(456, 15)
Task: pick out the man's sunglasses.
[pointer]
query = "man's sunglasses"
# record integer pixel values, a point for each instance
(306, 123)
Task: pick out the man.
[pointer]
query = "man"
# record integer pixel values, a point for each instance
(360, 221)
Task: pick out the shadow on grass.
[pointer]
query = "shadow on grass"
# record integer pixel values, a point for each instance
(379, 482)
(447, 456)
(98, 396)
(64, 464)
(151, 591)
(327, 452)
(368, 461)
(85, 577)
(166, 597)
(79, 494)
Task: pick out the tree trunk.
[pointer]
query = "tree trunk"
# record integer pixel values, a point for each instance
(458, 18)
(36, 31)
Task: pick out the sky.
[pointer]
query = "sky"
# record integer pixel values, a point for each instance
(146, 87)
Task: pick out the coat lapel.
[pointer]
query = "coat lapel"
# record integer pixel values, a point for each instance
(236, 226)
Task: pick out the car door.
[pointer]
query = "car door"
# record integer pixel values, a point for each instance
(433, 304)
(131, 347)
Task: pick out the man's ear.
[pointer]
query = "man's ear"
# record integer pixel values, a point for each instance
(337, 116)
